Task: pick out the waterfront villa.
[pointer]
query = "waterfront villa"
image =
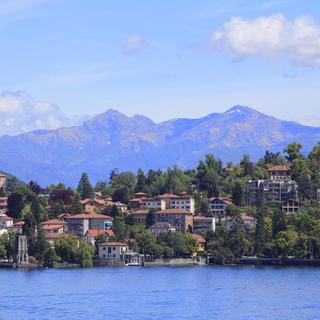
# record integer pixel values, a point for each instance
(112, 251)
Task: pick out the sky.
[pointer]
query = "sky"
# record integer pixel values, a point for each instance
(64, 60)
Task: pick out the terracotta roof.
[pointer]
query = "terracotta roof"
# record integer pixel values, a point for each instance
(85, 201)
(108, 199)
(168, 196)
(5, 217)
(199, 239)
(224, 199)
(136, 200)
(140, 194)
(2, 175)
(89, 216)
(149, 199)
(94, 233)
(52, 226)
(173, 211)
(279, 168)
(55, 235)
(53, 222)
(113, 244)
(3, 198)
(246, 216)
(139, 212)
(203, 218)
(18, 224)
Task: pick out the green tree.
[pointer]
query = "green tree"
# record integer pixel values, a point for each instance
(15, 205)
(237, 194)
(284, 244)
(67, 248)
(85, 254)
(293, 151)
(85, 188)
(279, 222)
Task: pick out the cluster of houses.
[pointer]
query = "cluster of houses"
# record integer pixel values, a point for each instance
(167, 213)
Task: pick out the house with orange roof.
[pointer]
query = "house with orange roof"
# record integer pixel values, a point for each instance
(79, 224)
(17, 227)
(201, 242)
(181, 220)
(93, 205)
(92, 234)
(5, 222)
(281, 173)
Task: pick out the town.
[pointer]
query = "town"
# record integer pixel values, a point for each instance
(213, 214)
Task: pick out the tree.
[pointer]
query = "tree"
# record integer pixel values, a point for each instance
(15, 205)
(85, 254)
(237, 194)
(8, 246)
(125, 181)
(66, 248)
(141, 181)
(85, 188)
(293, 151)
(279, 222)
(284, 243)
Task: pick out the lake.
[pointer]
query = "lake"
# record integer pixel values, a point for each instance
(161, 293)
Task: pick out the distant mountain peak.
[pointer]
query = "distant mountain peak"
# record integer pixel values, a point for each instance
(240, 109)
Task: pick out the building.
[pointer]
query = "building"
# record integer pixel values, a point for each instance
(54, 226)
(271, 191)
(3, 205)
(201, 242)
(163, 202)
(202, 224)
(161, 228)
(22, 256)
(181, 220)
(248, 221)
(5, 222)
(91, 235)
(290, 206)
(3, 179)
(17, 227)
(279, 173)
(112, 251)
(92, 205)
(139, 216)
(79, 224)
(218, 205)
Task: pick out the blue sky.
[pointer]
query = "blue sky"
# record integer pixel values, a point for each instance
(163, 59)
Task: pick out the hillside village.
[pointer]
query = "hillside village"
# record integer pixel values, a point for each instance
(212, 214)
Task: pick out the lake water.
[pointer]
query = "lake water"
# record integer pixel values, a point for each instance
(161, 293)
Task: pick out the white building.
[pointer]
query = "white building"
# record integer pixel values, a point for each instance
(112, 251)
(5, 222)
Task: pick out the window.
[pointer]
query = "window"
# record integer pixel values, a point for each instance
(104, 248)
(113, 248)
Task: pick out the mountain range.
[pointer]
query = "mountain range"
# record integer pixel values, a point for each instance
(113, 140)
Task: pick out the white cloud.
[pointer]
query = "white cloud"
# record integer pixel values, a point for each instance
(20, 113)
(133, 44)
(268, 38)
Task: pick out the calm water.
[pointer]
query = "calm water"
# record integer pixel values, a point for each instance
(161, 293)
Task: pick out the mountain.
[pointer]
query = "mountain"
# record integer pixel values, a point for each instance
(114, 140)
